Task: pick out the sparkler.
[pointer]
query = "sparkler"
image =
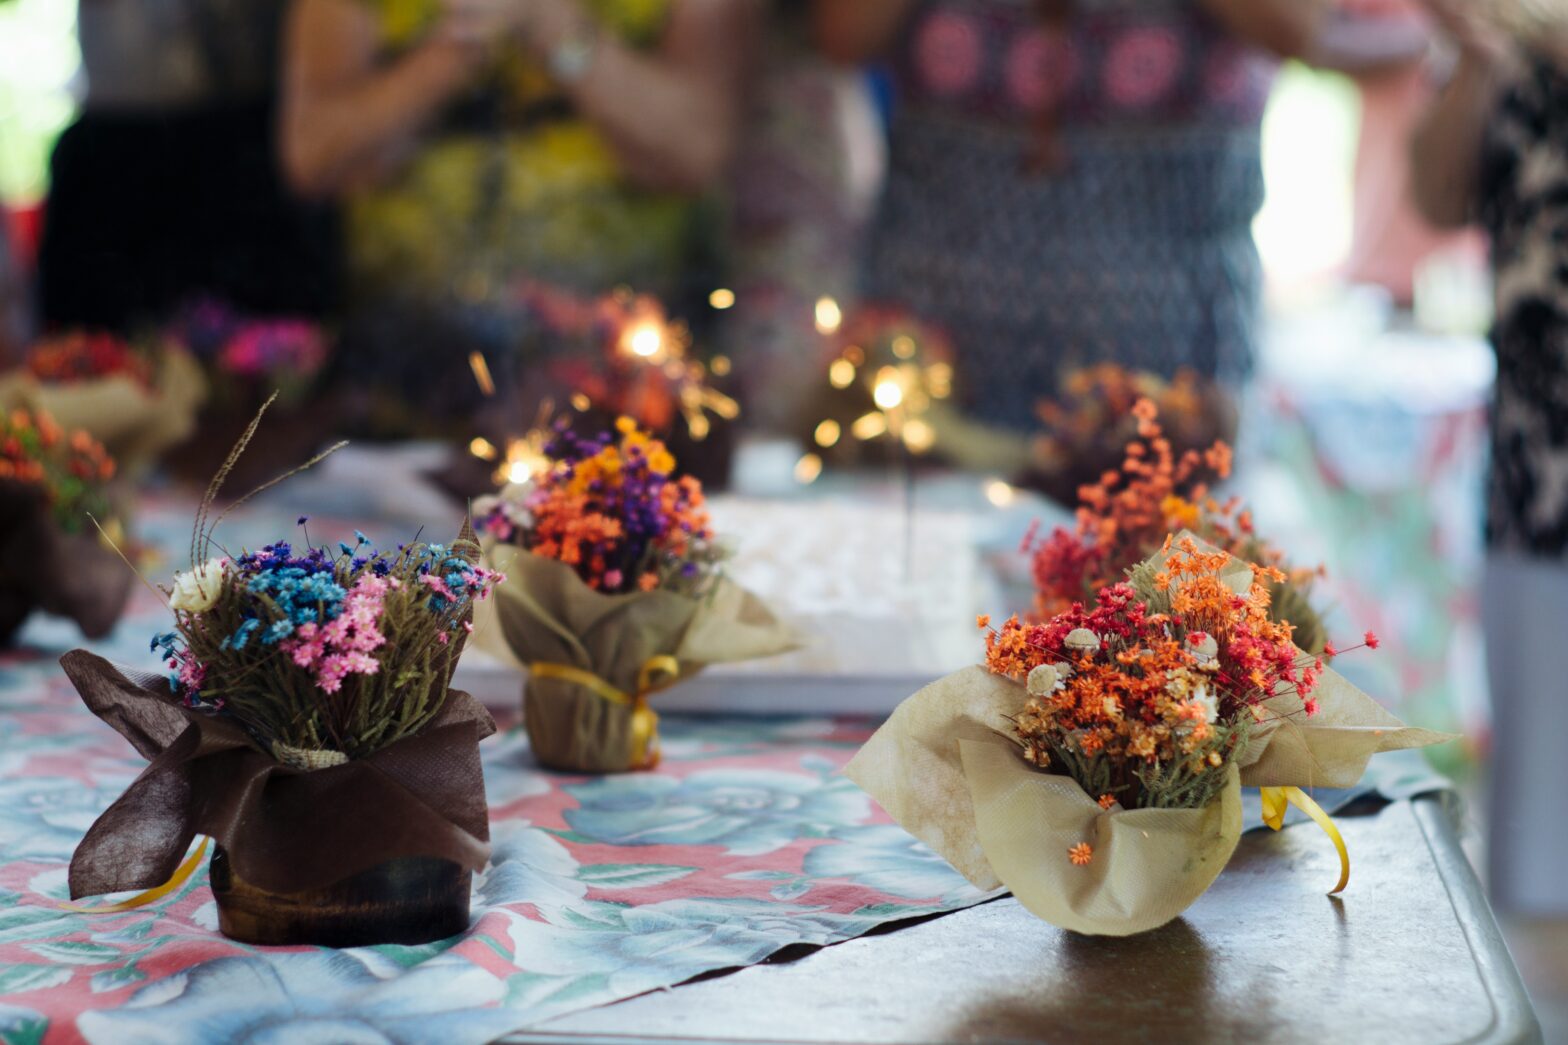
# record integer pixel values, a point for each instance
(524, 457)
(650, 372)
(903, 369)
(660, 350)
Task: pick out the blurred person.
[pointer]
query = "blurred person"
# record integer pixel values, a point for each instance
(15, 321)
(809, 162)
(1494, 147)
(165, 188)
(1074, 182)
(1385, 47)
(481, 146)
(477, 141)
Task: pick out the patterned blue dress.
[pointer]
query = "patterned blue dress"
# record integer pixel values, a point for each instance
(1136, 248)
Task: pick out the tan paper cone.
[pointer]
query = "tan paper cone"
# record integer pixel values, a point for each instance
(1147, 865)
(1330, 748)
(912, 765)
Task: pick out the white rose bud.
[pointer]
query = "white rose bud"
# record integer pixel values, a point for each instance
(197, 589)
(1205, 650)
(1043, 680)
(1082, 640)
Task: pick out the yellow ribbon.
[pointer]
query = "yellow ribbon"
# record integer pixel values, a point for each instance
(181, 874)
(656, 673)
(1274, 802)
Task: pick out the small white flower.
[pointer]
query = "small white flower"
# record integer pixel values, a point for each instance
(1044, 679)
(197, 590)
(1082, 640)
(1205, 651)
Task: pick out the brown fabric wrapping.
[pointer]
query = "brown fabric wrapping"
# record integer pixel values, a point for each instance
(544, 613)
(68, 575)
(285, 830)
(133, 422)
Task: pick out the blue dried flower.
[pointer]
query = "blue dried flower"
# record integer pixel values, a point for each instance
(242, 634)
(276, 632)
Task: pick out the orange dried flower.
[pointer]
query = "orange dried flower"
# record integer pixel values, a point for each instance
(1081, 854)
(1126, 516)
(70, 466)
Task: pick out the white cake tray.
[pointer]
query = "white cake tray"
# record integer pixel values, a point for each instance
(719, 691)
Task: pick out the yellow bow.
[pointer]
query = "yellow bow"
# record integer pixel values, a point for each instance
(656, 673)
(181, 873)
(1274, 802)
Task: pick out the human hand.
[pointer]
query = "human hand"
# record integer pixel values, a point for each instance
(479, 23)
(540, 23)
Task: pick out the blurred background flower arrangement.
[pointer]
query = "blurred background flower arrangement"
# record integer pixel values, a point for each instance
(58, 524)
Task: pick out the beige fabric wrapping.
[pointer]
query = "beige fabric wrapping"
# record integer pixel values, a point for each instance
(1147, 867)
(913, 767)
(134, 423)
(545, 613)
(1330, 748)
(944, 766)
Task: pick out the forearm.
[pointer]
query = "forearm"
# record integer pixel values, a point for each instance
(671, 130)
(1369, 46)
(338, 129)
(1288, 28)
(672, 116)
(1446, 148)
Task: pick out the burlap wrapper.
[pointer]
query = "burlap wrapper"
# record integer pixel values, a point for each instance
(286, 830)
(75, 576)
(135, 423)
(544, 613)
(944, 766)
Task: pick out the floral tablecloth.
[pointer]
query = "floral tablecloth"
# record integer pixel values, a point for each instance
(743, 842)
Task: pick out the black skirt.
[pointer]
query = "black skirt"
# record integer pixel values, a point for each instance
(147, 211)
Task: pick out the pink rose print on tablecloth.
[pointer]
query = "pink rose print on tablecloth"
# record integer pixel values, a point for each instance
(948, 52)
(1141, 66)
(1041, 68)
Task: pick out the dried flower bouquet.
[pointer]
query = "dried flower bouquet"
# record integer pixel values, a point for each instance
(613, 592)
(1094, 766)
(306, 723)
(53, 485)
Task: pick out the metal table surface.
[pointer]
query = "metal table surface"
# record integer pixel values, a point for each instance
(1410, 953)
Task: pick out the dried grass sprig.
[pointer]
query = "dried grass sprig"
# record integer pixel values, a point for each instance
(343, 652)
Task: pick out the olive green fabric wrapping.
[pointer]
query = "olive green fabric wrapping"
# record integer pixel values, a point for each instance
(133, 422)
(945, 767)
(572, 729)
(544, 613)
